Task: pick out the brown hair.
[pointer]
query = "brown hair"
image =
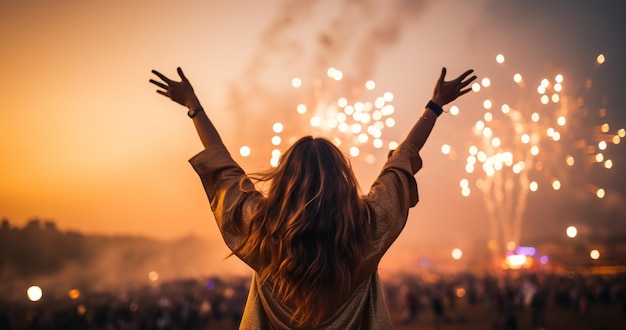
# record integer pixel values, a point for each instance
(310, 233)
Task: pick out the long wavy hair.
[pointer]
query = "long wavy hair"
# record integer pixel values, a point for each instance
(310, 233)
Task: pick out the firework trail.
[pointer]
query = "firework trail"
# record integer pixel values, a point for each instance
(536, 139)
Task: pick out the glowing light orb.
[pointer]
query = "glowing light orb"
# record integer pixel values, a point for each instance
(153, 276)
(334, 74)
(277, 127)
(296, 82)
(388, 96)
(460, 292)
(476, 87)
(457, 254)
(510, 246)
(571, 232)
(558, 78)
(605, 128)
(600, 193)
(515, 261)
(534, 117)
(315, 121)
(276, 140)
(244, 151)
(274, 161)
(34, 293)
(600, 59)
(74, 294)
(485, 82)
(594, 254)
(534, 150)
(445, 149)
(541, 89)
(370, 85)
(500, 58)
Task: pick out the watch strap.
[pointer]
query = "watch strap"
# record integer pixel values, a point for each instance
(193, 112)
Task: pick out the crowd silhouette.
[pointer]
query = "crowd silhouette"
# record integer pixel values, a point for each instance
(210, 303)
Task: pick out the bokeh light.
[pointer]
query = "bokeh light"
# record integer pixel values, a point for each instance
(244, 151)
(34, 293)
(153, 276)
(74, 293)
(539, 137)
(571, 231)
(350, 116)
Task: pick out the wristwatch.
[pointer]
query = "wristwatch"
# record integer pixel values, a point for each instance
(193, 112)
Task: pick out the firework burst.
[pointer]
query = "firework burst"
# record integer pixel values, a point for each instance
(531, 141)
(350, 115)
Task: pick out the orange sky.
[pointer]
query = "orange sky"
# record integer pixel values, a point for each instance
(88, 143)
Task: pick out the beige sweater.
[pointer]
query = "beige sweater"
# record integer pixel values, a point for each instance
(391, 195)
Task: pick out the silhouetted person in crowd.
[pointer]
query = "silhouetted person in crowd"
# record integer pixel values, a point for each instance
(412, 305)
(436, 304)
(538, 304)
(313, 241)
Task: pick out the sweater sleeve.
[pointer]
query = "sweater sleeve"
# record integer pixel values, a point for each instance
(391, 196)
(232, 196)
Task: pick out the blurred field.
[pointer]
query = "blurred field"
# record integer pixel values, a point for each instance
(476, 317)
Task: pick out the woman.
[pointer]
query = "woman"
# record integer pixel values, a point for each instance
(313, 241)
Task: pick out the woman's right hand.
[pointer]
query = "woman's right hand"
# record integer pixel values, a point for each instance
(179, 92)
(448, 91)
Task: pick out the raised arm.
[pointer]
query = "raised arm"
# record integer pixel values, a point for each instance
(444, 93)
(182, 93)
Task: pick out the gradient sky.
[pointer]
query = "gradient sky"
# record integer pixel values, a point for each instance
(86, 141)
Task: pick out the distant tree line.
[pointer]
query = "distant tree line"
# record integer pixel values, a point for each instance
(39, 252)
(39, 248)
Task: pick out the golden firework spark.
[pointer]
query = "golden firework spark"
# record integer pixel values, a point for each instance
(354, 121)
(527, 143)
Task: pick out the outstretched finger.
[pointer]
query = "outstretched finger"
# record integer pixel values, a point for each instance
(160, 75)
(468, 81)
(442, 77)
(162, 85)
(164, 93)
(181, 74)
(464, 91)
(464, 75)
